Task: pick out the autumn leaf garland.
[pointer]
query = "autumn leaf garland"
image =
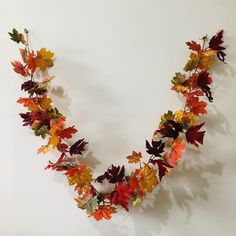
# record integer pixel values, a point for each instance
(169, 140)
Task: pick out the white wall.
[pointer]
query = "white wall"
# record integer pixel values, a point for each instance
(115, 60)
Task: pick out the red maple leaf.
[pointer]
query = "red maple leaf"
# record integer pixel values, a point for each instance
(67, 133)
(196, 106)
(194, 46)
(194, 136)
(121, 196)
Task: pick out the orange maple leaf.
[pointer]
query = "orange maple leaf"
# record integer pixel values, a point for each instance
(104, 211)
(177, 148)
(20, 69)
(134, 157)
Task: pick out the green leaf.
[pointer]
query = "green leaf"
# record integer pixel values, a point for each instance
(41, 131)
(91, 206)
(16, 36)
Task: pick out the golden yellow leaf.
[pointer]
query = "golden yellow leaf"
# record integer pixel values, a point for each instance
(148, 178)
(44, 59)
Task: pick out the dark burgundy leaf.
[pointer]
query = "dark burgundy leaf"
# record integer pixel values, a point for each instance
(156, 148)
(114, 174)
(215, 44)
(162, 167)
(194, 136)
(171, 129)
(78, 147)
(203, 81)
(33, 87)
(27, 119)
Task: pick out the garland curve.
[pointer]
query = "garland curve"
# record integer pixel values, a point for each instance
(164, 150)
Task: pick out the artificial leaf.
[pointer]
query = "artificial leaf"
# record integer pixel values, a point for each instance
(215, 43)
(45, 103)
(60, 165)
(41, 130)
(156, 148)
(192, 62)
(17, 37)
(194, 46)
(20, 69)
(171, 129)
(80, 176)
(162, 167)
(104, 211)
(114, 174)
(148, 178)
(134, 157)
(166, 116)
(78, 147)
(91, 206)
(67, 132)
(121, 195)
(175, 153)
(203, 81)
(194, 135)
(30, 103)
(197, 107)
(206, 59)
(62, 147)
(44, 59)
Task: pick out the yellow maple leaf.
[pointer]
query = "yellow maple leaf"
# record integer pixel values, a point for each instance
(206, 59)
(192, 62)
(44, 59)
(80, 176)
(148, 178)
(45, 103)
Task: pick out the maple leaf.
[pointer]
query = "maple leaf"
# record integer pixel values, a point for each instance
(62, 147)
(171, 129)
(17, 37)
(113, 174)
(134, 182)
(194, 46)
(78, 147)
(67, 133)
(33, 87)
(30, 103)
(156, 148)
(194, 136)
(192, 62)
(121, 195)
(148, 178)
(80, 176)
(206, 59)
(162, 167)
(104, 211)
(20, 69)
(45, 102)
(175, 153)
(60, 164)
(203, 81)
(134, 157)
(197, 107)
(43, 59)
(215, 44)
(41, 130)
